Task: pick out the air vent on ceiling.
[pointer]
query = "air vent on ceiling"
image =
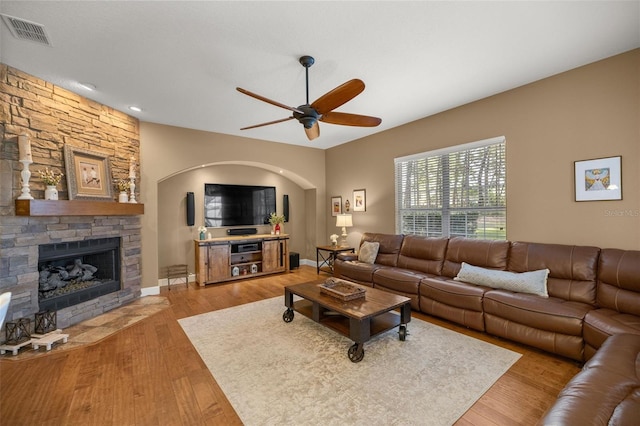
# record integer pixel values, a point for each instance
(26, 30)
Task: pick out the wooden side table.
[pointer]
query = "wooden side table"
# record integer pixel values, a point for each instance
(326, 255)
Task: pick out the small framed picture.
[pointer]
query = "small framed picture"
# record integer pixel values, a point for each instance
(88, 174)
(336, 206)
(599, 179)
(359, 200)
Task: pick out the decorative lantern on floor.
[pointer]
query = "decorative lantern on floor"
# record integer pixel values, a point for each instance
(45, 322)
(18, 331)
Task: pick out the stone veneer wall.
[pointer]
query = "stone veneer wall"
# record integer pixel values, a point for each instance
(52, 117)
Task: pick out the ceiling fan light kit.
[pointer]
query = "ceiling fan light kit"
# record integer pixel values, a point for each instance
(322, 109)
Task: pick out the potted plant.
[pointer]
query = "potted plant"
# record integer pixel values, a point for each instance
(202, 230)
(276, 221)
(123, 186)
(51, 180)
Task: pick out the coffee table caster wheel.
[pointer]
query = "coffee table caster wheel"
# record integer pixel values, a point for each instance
(288, 315)
(402, 332)
(356, 352)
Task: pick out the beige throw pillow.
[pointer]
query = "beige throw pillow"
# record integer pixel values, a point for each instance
(368, 252)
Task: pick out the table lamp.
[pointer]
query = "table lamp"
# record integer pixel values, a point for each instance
(344, 220)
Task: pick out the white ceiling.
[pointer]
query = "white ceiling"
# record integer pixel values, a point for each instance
(182, 60)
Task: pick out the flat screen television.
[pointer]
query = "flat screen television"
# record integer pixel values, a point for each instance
(238, 205)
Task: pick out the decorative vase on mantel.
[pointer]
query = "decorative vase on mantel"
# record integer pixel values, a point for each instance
(123, 197)
(51, 192)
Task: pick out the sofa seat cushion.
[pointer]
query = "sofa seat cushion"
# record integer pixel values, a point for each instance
(452, 300)
(606, 391)
(549, 314)
(400, 281)
(599, 324)
(453, 293)
(354, 270)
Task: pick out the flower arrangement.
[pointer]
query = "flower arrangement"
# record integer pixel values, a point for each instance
(123, 185)
(49, 177)
(202, 229)
(275, 219)
(333, 238)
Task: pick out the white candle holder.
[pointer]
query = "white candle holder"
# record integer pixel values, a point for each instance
(132, 188)
(26, 176)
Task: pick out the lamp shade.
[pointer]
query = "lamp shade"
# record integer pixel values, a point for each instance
(344, 220)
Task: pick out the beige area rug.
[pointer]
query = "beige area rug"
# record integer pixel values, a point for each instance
(276, 373)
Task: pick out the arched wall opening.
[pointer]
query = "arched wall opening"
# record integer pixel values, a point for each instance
(175, 237)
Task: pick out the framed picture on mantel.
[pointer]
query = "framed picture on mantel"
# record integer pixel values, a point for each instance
(88, 174)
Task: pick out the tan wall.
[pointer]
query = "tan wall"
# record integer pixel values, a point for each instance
(168, 151)
(590, 112)
(175, 242)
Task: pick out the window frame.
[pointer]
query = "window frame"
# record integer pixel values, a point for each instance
(447, 220)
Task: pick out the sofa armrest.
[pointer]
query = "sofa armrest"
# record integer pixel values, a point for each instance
(346, 256)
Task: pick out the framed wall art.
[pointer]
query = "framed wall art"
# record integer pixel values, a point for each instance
(336, 206)
(359, 200)
(88, 174)
(598, 179)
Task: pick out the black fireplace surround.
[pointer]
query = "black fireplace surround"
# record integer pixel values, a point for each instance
(77, 271)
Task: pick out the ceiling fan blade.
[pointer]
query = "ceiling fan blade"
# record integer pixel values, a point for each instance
(338, 96)
(266, 124)
(267, 100)
(313, 132)
(350, 119)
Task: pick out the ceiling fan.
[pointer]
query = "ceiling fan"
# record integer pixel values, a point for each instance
(322, 108)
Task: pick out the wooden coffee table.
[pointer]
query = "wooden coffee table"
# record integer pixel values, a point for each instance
(358, 319)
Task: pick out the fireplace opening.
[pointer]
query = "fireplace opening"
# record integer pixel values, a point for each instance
(74, 272)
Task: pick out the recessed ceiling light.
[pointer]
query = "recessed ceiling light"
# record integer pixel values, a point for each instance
(135, 108)
(87, 86)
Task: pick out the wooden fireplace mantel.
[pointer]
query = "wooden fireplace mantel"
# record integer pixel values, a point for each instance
(76, 208)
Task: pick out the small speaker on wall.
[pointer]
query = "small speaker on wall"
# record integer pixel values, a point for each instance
(285, 207)
(190, 209)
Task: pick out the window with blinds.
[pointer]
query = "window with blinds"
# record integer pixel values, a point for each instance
(457, 191)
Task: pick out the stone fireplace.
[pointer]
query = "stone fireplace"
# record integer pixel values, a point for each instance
(22, 239)
(53, 117)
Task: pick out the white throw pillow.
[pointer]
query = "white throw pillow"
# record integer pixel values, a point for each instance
(368, 252)
(533, 282)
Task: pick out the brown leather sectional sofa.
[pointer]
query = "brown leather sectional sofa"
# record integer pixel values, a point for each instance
(593, 293)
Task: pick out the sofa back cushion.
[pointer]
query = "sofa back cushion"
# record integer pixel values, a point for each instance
(425, 254)
(572, 269)
(491, 254)
(389, 247)
(619, 280)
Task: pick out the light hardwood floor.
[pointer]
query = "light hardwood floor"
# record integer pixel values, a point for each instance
(150, 374)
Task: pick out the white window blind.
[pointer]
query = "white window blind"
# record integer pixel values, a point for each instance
(457, 191)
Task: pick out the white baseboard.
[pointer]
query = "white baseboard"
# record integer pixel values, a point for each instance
(149, 291)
